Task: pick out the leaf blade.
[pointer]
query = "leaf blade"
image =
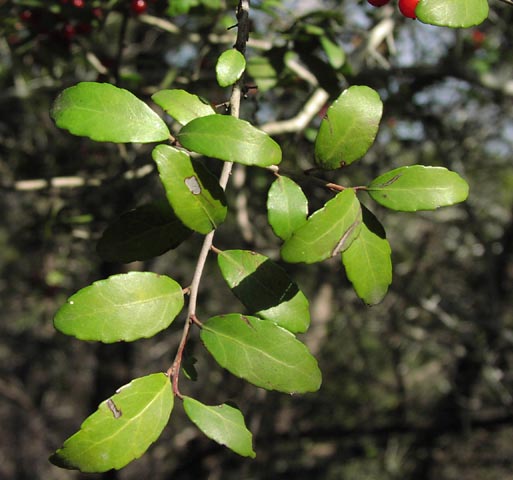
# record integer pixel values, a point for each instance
(106, 113)
(229, 67)
(123, 307)
(261, 352)
(122, 429)
(417, 187)
(223, 424)
(182, 105)
(230, 139)
(454, 14)
(265, 289)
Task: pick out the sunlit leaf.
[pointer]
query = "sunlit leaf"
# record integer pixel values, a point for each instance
(125, 307)
(230, 139)
(349, 128)
(222, 423)
(122, 429)
(262, 353)
(452, 13)
(368, 261)
(336, 55)
(327, 232)
(230, 67)
(145, 232)
(181, 105)
(106, 113)
(417, 187)
(265, 289)
(193, 192)
(287, 207)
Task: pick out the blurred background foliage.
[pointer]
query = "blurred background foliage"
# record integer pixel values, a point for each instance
(418, 387)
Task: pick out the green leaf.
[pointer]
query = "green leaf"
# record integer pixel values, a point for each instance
(122, 429)
(106, 113)
(125, 307)
(349, 128)
(262, 353)
(453, 13)
(265, 289)
(181, 105)
(193, 192)
(223, 424)
(368, 261)
(263, 72)
(143, 233)
(336, 55)
(417, 187)
(230, 139)
(287, 207)
(327, 232)
(230, 67)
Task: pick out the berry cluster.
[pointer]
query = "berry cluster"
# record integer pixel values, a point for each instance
(406, 7)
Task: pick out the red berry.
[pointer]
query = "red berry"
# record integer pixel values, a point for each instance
(378, 3)
(97, 12)
(78, 3)
(478, 38)
(138, 6)
(26, 15)
(407, 7)
(68, 31)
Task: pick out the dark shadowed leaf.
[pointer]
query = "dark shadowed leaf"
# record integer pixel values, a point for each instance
(181, 105)
(223, 424)
(106, 113)
(262, 353)
(327, 232)
(349, 129)
(143, 233)
(287, 207)
(230, 139)
(122, 429)
(265, 289)
(193, 192)
(417, 187)
(123, 307)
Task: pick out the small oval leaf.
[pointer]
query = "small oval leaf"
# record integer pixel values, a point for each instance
(122, 429)
(453, 13)
(222, 423)
(181, 105)
(349, 128)
(327, 232)
(193, 192)
(287, 207)
(143, 233)
(336, 55)
(123, 307)
(262, 353)
(368, 261)
(230, 139)
(265, 289)
(416, 187)
(106, 113)
(230, 67)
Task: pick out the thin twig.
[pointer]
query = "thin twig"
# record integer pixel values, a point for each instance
(235, 99)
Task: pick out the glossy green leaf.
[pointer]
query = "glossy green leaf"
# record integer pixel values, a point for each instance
(336, 55)
(368, 261)
(327, 232)
(265, 289)
(106, 113)
(452, 13)
(262, 353)
(230, 139)
(287, 207)
(230, 67)
(125, 307)
(122, 429)
(193, 192)
(349, 128)
(143, 233)
(181, 105)
(417, 187)
(222, 423)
